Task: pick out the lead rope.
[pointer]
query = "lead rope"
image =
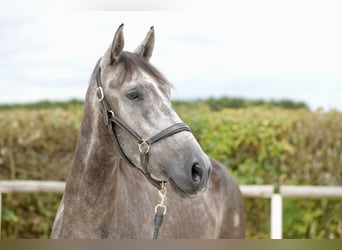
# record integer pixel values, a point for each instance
(160, 211)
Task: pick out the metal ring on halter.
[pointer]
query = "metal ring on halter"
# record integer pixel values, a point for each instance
(147, 146)
(99, 94)
(111, 113)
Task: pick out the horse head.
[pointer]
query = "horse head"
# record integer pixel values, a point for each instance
(135, 100)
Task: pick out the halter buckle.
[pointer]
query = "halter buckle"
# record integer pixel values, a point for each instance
(99, 94)
(144, 147)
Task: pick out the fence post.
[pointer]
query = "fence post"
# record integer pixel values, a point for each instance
(276, 216)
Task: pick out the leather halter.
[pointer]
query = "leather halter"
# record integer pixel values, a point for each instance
(144, 145)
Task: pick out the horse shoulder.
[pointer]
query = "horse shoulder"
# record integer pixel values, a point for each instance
(229, 201)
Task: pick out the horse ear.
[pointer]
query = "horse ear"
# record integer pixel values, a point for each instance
(145, 49)
(117, 45)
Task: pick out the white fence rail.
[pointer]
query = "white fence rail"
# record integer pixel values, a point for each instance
(251, 191)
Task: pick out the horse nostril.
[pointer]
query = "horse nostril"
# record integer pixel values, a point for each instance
(196, 173)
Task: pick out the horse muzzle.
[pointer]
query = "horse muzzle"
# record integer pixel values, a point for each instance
(192, 181)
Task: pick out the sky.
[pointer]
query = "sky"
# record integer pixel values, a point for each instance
(251, 49)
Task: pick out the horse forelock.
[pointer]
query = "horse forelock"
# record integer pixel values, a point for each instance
(133, 63)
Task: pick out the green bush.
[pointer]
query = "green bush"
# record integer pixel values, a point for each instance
(35, 145)
(278, 146)
(217, 104)
(260, 145)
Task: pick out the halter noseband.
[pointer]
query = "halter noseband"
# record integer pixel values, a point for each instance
(144, 145)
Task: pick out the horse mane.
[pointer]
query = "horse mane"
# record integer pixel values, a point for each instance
(132, 62)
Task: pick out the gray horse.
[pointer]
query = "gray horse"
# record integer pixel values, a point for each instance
(112, 188)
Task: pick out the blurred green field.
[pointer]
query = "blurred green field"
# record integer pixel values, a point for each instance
(259, 142)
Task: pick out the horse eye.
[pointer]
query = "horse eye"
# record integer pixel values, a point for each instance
(134, 95)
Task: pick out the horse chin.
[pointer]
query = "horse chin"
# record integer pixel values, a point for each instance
(180, 192)
(177, 188)
(156, 178)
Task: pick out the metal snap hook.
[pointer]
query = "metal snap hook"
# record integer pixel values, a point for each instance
(162, 195)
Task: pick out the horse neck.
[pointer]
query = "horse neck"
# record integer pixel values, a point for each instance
(96, 160)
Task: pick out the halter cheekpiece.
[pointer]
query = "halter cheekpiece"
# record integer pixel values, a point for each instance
(144, 145)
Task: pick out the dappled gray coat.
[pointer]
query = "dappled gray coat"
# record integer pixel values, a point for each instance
(105, 197)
